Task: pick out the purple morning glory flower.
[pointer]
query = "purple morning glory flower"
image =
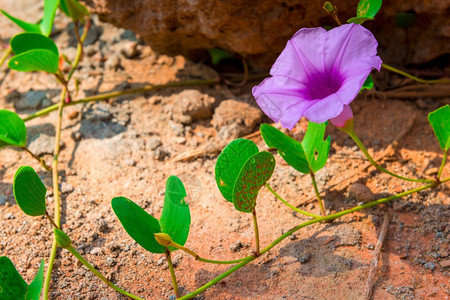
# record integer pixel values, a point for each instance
(318, 74)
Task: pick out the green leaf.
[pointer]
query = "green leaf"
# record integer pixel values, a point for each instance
(359, 20)
(138, 224)
(229, 164)
(62, 239)
(12, 285)
(35, 287)
(217, 55)
(12, 130)
(46, 24)
(256, 171)
(368, 84)
(440, 121)
(27, 27)
(73, 9)
(405, 19)
(33, 52)
(368, 8)
(175, 217)
(309, 155)
(29, 191)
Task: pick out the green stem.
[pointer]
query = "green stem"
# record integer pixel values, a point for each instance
(99, 275)
(57, 204)
(5, 56)
(445, 180)
(172, 273)
(222, 262)
(441, 168)
(290, 205)
(358, 142)
(106, 96)
(307, 223)
(51, 220)
(395, 70)
(255, 224)
(39, 159)
(316, 190)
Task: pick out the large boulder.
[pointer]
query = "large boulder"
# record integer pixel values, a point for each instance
(258, 30)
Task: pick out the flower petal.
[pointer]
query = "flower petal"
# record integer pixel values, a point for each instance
(282, 99)
(302, 55)
(343, 117)
(346, 45)
(324, 109)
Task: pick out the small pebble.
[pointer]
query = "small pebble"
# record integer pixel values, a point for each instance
(371, 246)
(429, 265)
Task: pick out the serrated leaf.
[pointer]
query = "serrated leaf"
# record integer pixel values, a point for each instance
(138, 224)
(256, 171)
(175, 217)
(46, 24)
(368, 8)
(35, 287)
(359, 20)
(217, 55)
(229, 164)
(440, 121)
(73, 9)
(33, 52)
(12, 285)
(12, 130)
(309, 155)
(29, 191)
(368, 84)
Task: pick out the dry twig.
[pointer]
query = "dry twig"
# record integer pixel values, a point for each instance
(376, 257)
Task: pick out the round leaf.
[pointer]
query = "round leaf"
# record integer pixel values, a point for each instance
(29, 191)
(138, 224)
(62, 239)
(73, 9)
(33, 52)
(12, 130)
(359, 20)
(12, 285)
(256, 171)
(175, 217)
(229, 164)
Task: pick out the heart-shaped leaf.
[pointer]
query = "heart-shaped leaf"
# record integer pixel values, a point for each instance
(12, 130)
(73, 9)
(309, 155)
(229, 164)
(440, 121)
(29, 191)
(35, 287)
(12, 285)
(256, 171)
(138, 224)
(33, 52)
(368, 8)
(175, 217)
(27, 27)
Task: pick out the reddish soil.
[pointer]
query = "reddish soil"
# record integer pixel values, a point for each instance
(111, 149)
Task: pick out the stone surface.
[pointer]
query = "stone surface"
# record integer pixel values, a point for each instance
(258, 30)
(233, 119)
(360, 193)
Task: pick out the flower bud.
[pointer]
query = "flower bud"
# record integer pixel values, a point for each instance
(345, 119)
(163, 239)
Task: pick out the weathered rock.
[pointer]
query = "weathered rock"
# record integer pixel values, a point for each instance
(233, 119)
(42, 144)
(32, 100)
(259, 30)
(189, 105)
(360, 193)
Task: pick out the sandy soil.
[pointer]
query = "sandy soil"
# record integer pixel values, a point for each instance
(127, 145)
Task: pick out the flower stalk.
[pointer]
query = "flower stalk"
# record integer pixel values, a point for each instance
(316, 191)
(172, 273)
(255, 224)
